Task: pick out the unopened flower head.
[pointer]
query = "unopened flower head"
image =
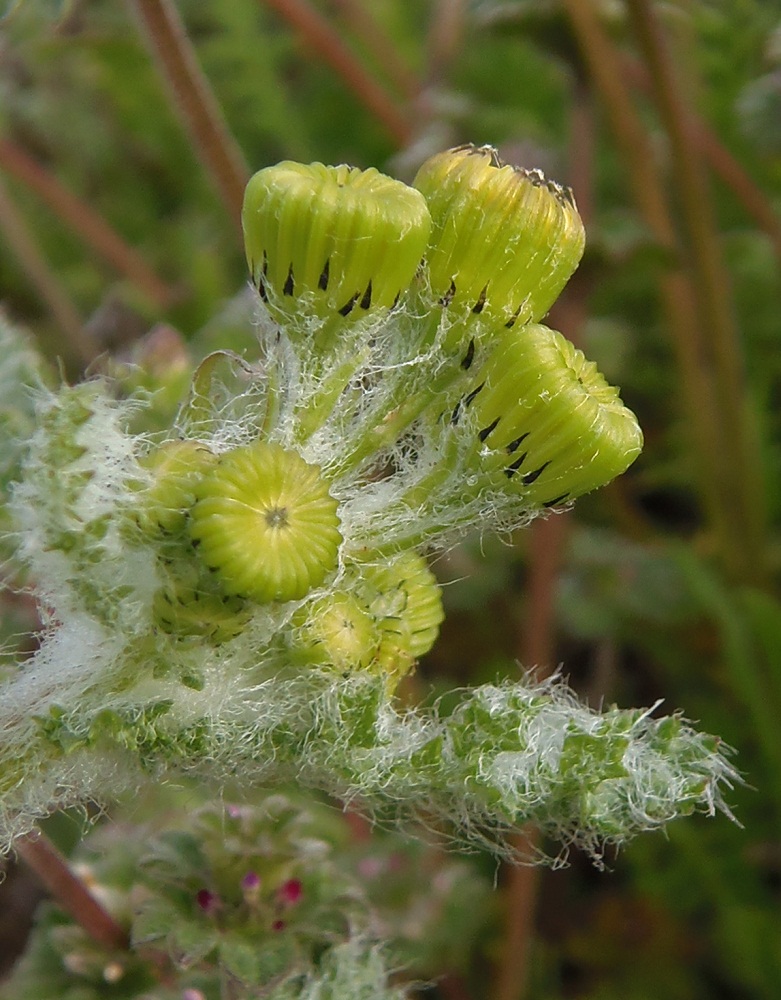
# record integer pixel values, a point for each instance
(324, 240)
(504, 240)
(266, 524)
(544, 420)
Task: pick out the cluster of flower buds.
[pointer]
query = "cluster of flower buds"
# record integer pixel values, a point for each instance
(404, 362)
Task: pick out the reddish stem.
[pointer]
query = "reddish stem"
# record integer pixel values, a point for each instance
(23, 244)
(84, 221)
(381, 48)
(70, 892)
(325, 40)
(195, 101)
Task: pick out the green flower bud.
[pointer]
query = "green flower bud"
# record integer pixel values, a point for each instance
(265, 522)
(504, 241)
(176, 467)
(338, 631)
(327, 240)
(545, 421)
(406, 601)
(385, 618)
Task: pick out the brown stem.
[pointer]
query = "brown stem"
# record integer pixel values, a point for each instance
(70, 892)
(724, 165)
(703, 407)
(733, 174)
(711, 287)
(194, 100)
(381, 48)
(446, 34)
(547, 541)
(84, 221)
(25, 247)
(320, 34)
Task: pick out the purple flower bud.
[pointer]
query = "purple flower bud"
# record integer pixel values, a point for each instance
(250, 882)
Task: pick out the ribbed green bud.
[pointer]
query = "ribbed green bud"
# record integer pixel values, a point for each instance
(265, 522)
(545, 421)
(504, 240)
(338, 631)
(328, 240)
(386, 617)
(176, 467)
(406, 601)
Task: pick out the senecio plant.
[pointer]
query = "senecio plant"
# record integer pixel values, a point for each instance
(238, 598)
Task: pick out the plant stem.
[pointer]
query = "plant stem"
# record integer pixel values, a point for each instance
(194, 100)
(25, 247)
(320, 34)
(85, 222)
(381, 48)
(703, 406)
(724, 165)
(70, 892)
(711, 288)
(446, 35)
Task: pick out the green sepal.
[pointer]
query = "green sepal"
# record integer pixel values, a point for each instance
(175, 467)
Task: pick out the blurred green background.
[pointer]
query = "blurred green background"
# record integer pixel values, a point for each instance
(127, 132)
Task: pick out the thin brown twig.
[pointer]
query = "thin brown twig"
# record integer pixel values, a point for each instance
(70, 892)
(194, 100)
(386, 54)
(724, 165)
(446, 33)
(320, 34)
(85, 222)
(711, 284)
(702, 406)
(23, 244)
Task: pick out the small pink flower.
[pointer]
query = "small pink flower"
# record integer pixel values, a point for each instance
(278, 925)
(290, 892)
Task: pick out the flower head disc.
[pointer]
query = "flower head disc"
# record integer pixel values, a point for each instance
(331, 239)
(504, 241)
(266, 524)
(545, 420)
